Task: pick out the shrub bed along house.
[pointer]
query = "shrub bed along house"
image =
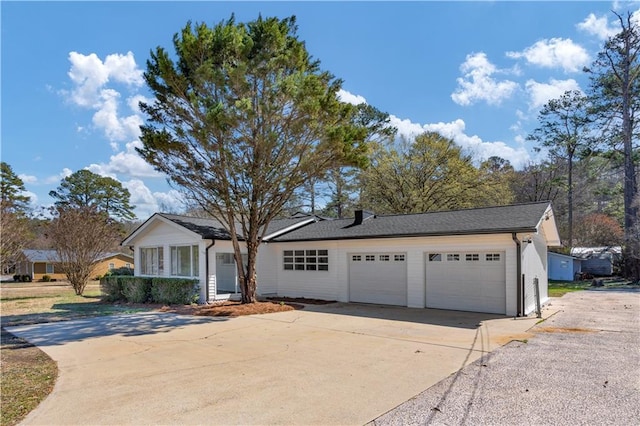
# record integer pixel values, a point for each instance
(178, 291)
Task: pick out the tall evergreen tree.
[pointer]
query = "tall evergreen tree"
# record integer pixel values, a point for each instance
(565, 130)
(87, 189)
(616, 95)
(243, 117)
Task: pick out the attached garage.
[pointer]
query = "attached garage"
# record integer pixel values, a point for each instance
(378, 278)
(464, 281)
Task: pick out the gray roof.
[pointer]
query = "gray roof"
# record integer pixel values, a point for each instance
(490, 220)
(210, 228)
(52, 255)
(41, 255)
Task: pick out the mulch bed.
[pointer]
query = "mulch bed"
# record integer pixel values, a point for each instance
(232, 308)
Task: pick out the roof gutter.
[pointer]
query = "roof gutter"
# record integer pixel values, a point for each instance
(206, 278)
(519, 287)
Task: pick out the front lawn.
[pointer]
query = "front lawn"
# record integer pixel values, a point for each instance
(28, 374)
(560, 288)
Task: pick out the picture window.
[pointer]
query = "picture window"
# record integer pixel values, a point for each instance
(305, 260)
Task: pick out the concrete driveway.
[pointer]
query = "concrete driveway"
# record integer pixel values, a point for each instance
(330, 364)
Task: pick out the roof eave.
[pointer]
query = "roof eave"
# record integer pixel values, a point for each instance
(434, 234)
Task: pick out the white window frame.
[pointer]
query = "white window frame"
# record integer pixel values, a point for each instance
(193, 261)
(305, 260)
(156, 268)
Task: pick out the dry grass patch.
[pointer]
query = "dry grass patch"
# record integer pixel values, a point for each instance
(565, 330)
(28, 376)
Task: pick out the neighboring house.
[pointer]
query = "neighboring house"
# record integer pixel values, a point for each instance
(38, 263)
(598, 261)
(482, 260)
(563, 267)
(111, 261)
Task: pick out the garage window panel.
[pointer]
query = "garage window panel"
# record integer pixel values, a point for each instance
(453, 257)
(370, 257)
(472, 257)
(356, 258)
(435, 257)
(398, 257)
(492, 257)
(384, 258)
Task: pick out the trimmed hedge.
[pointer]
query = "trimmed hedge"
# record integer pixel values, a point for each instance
(173, 291)
(111, 288)
(178, 291)
(136, 289)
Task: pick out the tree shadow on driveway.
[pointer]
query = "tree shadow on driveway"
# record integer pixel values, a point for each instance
(440, 317)
(137, 324)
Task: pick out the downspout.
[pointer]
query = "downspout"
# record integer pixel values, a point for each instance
(518, 273)
(206, 280)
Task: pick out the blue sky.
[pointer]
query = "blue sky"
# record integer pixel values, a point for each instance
(477, 72)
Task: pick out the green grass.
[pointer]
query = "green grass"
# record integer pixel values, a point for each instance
(560, 288)
(28, 374)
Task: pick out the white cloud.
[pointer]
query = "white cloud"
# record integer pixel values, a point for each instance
(350, 98)
(126, 162)
(455, 130)
(28, 178)
(554, 53)
(481, 150)
(134, 102)
(148, 203)
(55, 179)
(90, 77)
(477, 84)
(541, 93)
(33, 198)
(598, 26)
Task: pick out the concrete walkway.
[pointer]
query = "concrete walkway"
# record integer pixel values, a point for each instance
(331, 364)
(582, 367)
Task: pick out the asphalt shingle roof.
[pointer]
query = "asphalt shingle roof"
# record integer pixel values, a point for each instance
(52, 255)
(490, 220)
(210, 228)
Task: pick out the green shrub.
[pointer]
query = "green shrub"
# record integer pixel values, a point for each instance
(26, 278)
(45, 278)
(111, 289)
(135, 289)
(178, 291)
(120, 271)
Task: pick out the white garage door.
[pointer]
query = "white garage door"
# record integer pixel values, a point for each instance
(378, 278)
(466, 281)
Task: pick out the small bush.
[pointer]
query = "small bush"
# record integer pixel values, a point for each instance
(178, 291)
(26, 278)
(45, 278)
(120, 271)
(17, 278)
(135, 289)
(111, 288)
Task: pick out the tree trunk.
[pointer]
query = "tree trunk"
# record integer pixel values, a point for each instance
(631, 255)
(570, 199)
